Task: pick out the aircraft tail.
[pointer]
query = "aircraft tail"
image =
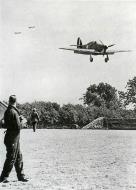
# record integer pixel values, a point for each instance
(79, 43)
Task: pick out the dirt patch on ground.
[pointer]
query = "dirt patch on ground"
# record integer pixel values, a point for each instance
(75, 159)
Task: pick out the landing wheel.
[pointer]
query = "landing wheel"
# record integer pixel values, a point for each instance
(106, 59)
(91, 59)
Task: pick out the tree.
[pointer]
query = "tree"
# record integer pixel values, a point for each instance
(68, 114)
(82, 115)
(99, 95)
(48, 112)
(129, 97)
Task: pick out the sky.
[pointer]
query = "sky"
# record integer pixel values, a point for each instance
(34, 68)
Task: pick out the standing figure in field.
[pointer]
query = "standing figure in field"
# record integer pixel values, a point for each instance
(34, 119)
(12, 137)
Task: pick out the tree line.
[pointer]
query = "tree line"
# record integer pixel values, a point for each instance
(102, 100)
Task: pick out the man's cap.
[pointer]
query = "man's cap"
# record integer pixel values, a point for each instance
(12, 99)
(34, 109)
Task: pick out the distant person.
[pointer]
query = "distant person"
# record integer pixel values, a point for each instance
(34, 119)
(12, 137)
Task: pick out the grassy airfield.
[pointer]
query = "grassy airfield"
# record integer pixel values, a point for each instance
(75, 159)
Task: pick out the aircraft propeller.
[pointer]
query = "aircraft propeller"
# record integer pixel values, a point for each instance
(111, 45)
(106, 45)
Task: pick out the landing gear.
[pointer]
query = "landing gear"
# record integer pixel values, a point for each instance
(91, 59)
(107, 59)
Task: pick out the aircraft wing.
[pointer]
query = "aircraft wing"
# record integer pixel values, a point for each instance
(93, 52)
(80, 50)
(116, 51)
(71, 49)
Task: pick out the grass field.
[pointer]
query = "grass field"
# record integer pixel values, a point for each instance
(75, 159)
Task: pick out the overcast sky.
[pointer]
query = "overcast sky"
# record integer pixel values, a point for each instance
(32, 66)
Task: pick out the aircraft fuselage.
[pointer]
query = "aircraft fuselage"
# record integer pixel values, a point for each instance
(95, 46)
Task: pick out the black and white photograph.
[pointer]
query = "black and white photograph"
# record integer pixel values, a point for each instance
(67, 95)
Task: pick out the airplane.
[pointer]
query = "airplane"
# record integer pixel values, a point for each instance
(31, 27)
(17, 32)
(94, 48)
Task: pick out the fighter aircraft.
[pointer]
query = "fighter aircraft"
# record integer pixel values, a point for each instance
(94, 48)
(17, 32)
(31, 27)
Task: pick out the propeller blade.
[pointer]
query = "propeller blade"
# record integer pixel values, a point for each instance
(111, 45)
(108, 45)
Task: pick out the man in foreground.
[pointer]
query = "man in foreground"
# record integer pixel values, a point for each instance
(13, 157)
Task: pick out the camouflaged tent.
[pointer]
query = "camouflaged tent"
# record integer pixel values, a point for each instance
(95, 124)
